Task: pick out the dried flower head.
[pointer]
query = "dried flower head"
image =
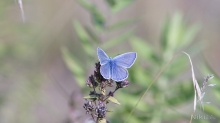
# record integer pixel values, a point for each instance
(98, 100)
(199, 91)
(206, 80)
(123, 84)
(88, 106)
(97, 73)
(91, 82)
(101, 110)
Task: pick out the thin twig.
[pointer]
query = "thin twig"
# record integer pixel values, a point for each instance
(92, 117)
(191, 117)
(112, 93)
(97, 120)
(22, 10)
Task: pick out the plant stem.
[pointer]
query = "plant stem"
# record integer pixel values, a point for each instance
(92, 117)
(150, 86)
(112, 93)
(191, 117)
(97, 120)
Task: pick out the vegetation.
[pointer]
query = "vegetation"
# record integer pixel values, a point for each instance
(169, 93)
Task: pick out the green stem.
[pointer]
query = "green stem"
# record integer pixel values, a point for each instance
(149, 87)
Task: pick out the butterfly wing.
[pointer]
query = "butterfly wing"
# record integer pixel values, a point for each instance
(103, 57)
(125, 60)
(118, 73)
(115, 68)
(105, 71)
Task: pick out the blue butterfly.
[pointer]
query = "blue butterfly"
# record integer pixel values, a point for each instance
(115, 68)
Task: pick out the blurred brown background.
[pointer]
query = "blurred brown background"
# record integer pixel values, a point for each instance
(35, 84)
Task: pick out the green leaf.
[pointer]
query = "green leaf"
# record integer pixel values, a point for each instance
(121, 4)
(90, 97)
(102, 121)
(111, 3)
(176, 35)
(96, 15)
(112, 99)
(189, 35)
(143, 49)
(117, 40)
(86, 5)
(122, 24)
(177, 67)
(92, 35)
(134, 119)
(213, 110)
(98, 19)
(216, 93)
(179, 93)
(74, 66)
(84, 38)
(140, 75)
(172, 34)
(130, 101)
(110, 111)
(175, 31)
(165, 32)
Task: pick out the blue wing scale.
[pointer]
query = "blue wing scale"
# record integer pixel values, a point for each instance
(103, 57)
(105, 70)
(125, 60)
(119, 73)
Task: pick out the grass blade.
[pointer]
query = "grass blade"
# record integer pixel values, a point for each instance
(149, 87)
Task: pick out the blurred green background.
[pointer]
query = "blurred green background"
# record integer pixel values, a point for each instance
(46, 60)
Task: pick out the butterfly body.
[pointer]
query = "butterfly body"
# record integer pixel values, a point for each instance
(115, 68)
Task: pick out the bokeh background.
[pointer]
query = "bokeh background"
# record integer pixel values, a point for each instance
(46, 59)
